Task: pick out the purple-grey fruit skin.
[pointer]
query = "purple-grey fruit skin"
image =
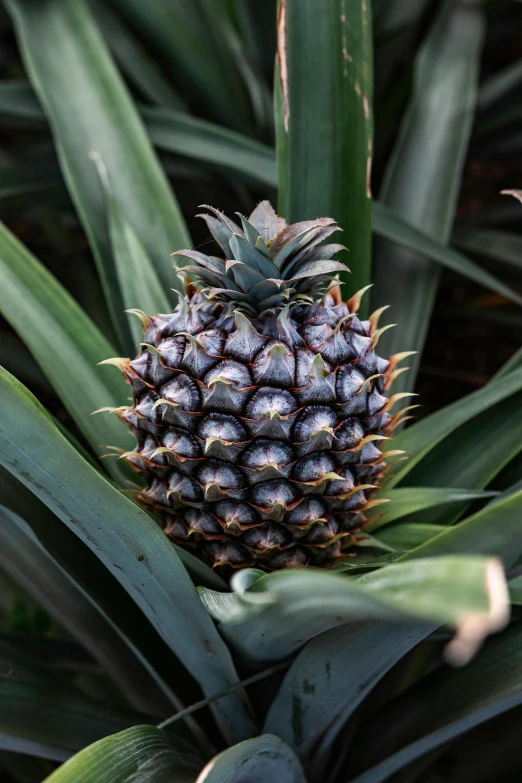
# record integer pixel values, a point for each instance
(259, 402)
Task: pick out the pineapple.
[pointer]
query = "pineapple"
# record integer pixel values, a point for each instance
(258, 403)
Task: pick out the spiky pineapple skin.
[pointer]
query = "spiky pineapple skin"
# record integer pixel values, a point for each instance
(258, 437)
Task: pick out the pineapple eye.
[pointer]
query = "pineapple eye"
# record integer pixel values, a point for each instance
(224, 474)
(223, 426)
(183, 391)
(232, 512)
(266, 400)
(349, 434)
(180, 442)
(266, 452)
(267, 494)
(308, 511)
(313, 467)
(312, 420)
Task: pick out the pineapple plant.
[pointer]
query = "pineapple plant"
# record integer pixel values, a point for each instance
(258, 402)
(252, 428)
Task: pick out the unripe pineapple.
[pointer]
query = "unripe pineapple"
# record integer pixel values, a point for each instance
(258, 403)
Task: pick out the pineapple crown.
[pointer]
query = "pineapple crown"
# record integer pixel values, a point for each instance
(268, 264)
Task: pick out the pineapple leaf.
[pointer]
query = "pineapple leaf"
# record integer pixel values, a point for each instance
(301, 604)
(320, 692)
(140, 753)
(25, 558)
(408, 500)
(324, 119)
(132, 547)
(458, 701)
(59, 720)
(65, 343)
(424, 435)
(256, 760)
(422, 178)
(68, 51)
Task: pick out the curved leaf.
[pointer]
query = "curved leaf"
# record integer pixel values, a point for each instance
(458, 701)
(89, 108)
(422, 179)
(128, 542)
(328, 680)
(196, 138)
(424, 435)
(496, 530)
(407, 500)
(37, 712)
(256, 760)
(141, 754)
(65, 343)
(276, 614)
(33, 568)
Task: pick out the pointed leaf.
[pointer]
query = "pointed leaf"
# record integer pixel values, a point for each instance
(89, 108)
(256, 760)
(65, 343)
(140, 753)
(132, 547)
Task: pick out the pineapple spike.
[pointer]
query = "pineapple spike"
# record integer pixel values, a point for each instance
(378, 332)
(391, 377)
(122, 363)
(375, 317)
(146, 320)
(355, 302)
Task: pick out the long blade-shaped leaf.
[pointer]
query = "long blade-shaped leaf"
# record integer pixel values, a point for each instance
(329, 679)
(128, 542)
(420, 439)
(200, 48)
(89, 108)
(458, 701)
(141, 753)
(134, 60)
(423, 177)
(64, 342)
(408, 500)
(184, 135)
(389, 224)
(39, 712)
(324, 104)
(256, 760)
(279, 612)
(496, 530)
(32, 567)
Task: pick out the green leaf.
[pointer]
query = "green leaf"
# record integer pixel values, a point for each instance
(132, 546)
(458, 701)
(89, 108)
(139, 284)
(276, 614)
(422, 179)
(407, 500)
(500, 83)
(196, 138)
(200, 48)
(135, 62)
(141, 753)
(424, 435)
(324, 120)
(48, 715)
(388, 224)
(505, 246)
(328, 680)
(474, 454)
(256, 760)
(33, 568)
(64, 342)
(494, 531)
